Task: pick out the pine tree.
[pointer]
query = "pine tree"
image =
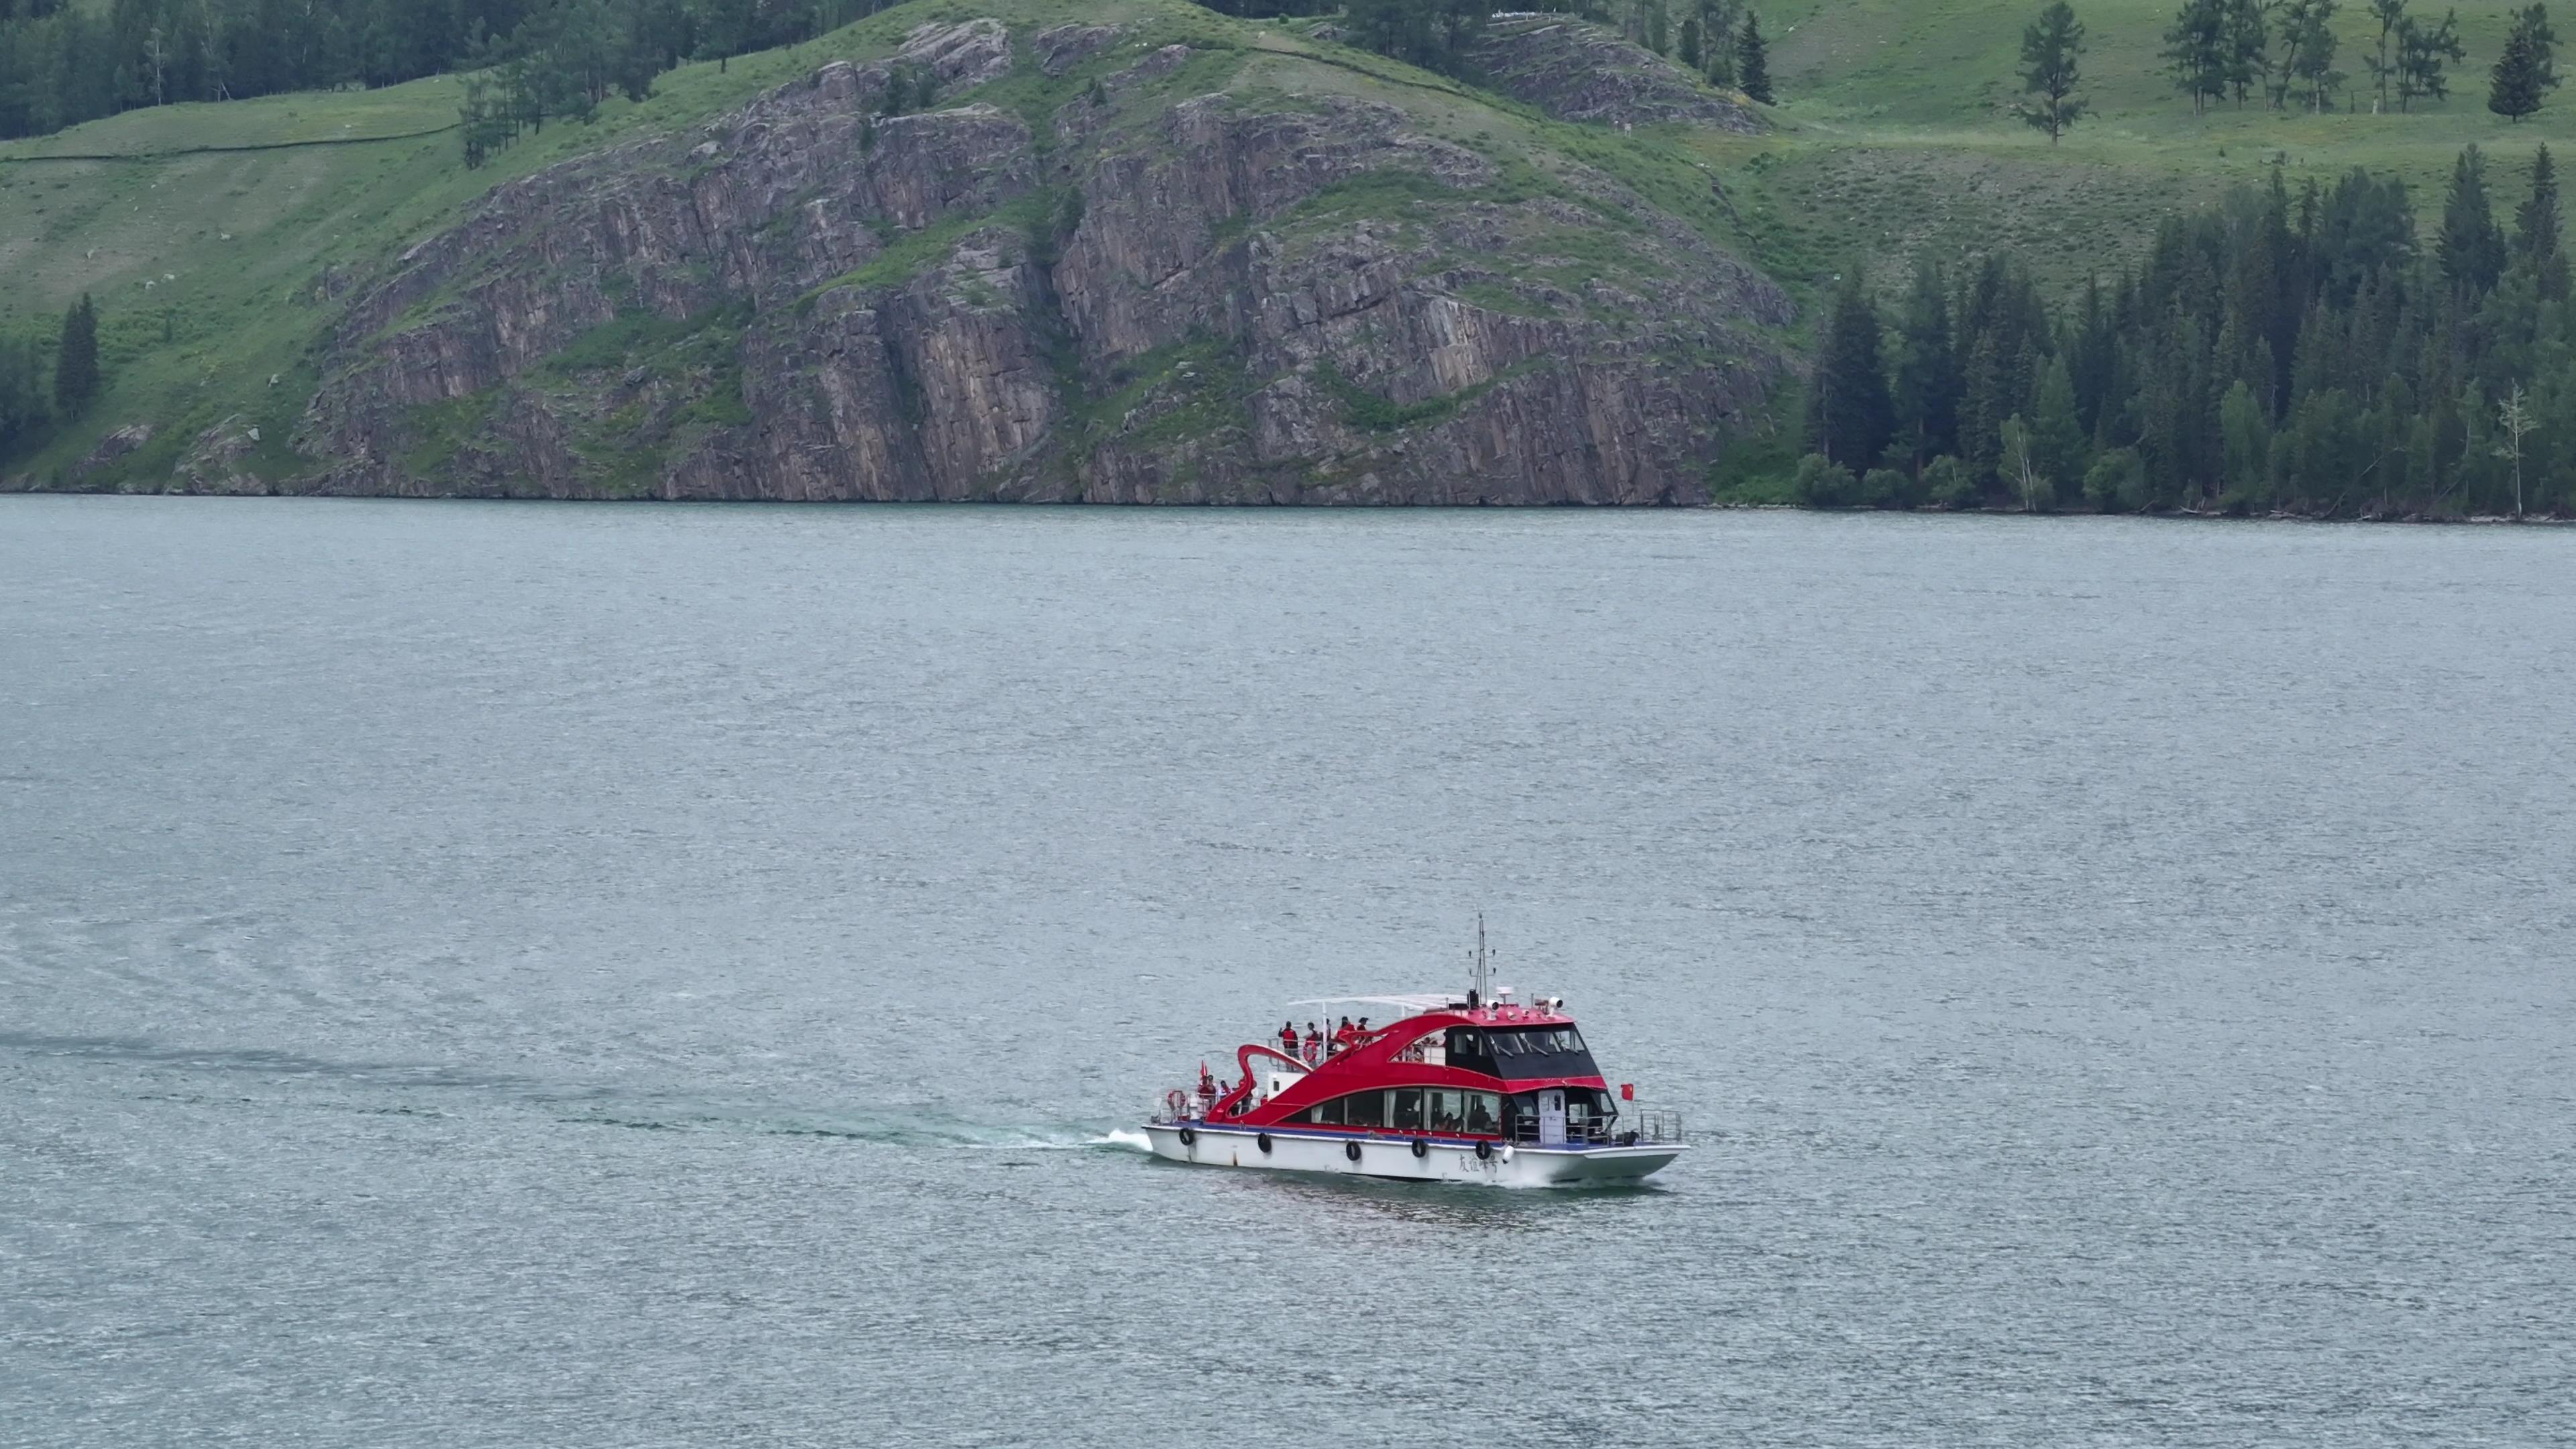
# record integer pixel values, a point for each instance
(2472, 245)
(2057, 439)
(1752, 65)
(2195, 51)
(2050, 49)
(2536, 221)
(2527, 70)
(76, 360)
(1690, 49)
(1849, 415)
(1926, 392)
(2245, 431)
(22, 397)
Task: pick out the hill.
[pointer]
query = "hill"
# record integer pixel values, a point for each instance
(1135, 252)
(1595, 239)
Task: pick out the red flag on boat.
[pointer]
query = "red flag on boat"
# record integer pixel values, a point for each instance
(1628, 1091)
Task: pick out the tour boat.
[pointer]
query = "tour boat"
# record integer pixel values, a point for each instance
(1473, 1088)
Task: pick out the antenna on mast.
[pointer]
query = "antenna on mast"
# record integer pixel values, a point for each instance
(1481, 991)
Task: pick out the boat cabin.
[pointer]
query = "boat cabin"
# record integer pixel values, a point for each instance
(1456, 1069)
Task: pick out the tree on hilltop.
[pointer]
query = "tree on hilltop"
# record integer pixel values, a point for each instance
(2195, 52)
(2421, 51)
(1436, 35)
(2246, 37)
(2390, 14)
(2527, 70)
(76, 359)
(1752, 62)
(2312, 43)
(2306, 55)
(2050, 50)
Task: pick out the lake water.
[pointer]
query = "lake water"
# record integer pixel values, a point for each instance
(606, 976)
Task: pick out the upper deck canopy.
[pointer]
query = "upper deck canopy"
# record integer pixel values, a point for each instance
(1416, 1002)
(1451, 1003)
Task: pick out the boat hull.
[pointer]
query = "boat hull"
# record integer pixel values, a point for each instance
(1440, 1160)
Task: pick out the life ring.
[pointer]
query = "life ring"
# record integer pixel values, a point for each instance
(1351, 1150)
(1188, 1137)
(1421, 1148)
(1177, 1102)
(1263, 1142)
(1484, 1152)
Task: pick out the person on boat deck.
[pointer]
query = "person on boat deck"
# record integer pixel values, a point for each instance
(1345, 1036)
(1207, 1089)
(1288, 1037)
(1314, 1044)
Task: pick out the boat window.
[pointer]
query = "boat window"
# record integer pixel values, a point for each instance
(1407, 1116)
(1446, 1109)
(1482, 1113)
(1326, 1112)
(1364, 1109)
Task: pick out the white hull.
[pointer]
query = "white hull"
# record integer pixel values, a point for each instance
(1450, 1160)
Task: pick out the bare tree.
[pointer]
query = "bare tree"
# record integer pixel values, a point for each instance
(2514, 417)
(156, 53)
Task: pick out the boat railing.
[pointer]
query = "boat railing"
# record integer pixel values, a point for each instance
(1652, 1127)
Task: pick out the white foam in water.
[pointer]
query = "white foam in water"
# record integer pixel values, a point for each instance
(1122, 1137)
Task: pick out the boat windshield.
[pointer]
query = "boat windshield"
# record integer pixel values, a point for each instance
(1520, 1053)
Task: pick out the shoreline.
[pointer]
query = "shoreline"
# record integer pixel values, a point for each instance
(14, 488)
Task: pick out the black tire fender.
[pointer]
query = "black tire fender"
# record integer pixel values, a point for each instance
(1188, 1137)
(1263, 1142)
(1484, 1152)
(1351, 1150)
(1421, 1147)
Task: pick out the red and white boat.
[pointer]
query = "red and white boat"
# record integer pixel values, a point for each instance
(1474, 1088)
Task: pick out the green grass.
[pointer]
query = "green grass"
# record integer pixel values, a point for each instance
(314, 118)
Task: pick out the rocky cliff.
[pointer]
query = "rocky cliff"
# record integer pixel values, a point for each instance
(1084, 264)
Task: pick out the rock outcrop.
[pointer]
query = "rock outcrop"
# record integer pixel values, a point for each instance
(1096, 280)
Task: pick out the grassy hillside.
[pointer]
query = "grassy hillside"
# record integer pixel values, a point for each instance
(215, 270)
(1904, 137)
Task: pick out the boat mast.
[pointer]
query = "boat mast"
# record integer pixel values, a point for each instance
(1483, 992)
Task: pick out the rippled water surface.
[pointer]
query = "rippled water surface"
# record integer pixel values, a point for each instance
(607, 976)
